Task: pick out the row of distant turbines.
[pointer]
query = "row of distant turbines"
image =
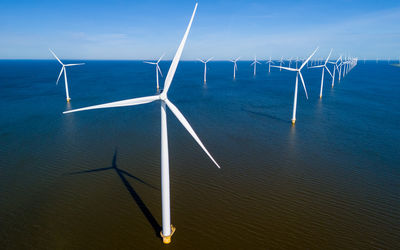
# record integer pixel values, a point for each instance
(340, 65)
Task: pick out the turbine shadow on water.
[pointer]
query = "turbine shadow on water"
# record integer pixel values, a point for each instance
(121, 174)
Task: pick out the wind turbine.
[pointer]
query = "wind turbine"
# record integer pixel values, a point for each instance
(297, 83)
(280, 64)
(335, 66)
(235, 66)
(157, 70)
(323, 66)
(255, 64)
(167, 228)
(205, 68)
(269, 64)
(64, 69)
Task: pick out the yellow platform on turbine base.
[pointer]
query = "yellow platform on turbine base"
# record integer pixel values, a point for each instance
(167, 239)
(293, 122)
(68, 99)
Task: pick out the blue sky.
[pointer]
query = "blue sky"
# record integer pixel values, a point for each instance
(224, 29)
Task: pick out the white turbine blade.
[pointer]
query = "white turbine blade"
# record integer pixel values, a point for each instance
(186, 124)
(258, 62)
(328, 71)
(237, 59)
(313, 67)
(252, 63)
(62, 69)
(290, 69)
(160, 58)
(74, 64)
(308, 59)
(177, 57)
(56, 57)
(209, 59)
(328, 57)
(158, 67)
(304, 85)
(124, 103)
(150, 63)
(201, 60)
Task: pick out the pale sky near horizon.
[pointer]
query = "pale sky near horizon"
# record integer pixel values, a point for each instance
(223, 29)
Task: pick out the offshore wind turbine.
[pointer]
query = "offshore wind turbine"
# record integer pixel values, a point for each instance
(167, 228)
(297, 83)
(157, 69)
(335, 66)
(323, 66)
(235, 67)
(205, 67)
(255, 65)
(64, 69)
(269, 64)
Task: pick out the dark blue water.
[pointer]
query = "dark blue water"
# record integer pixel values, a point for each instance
(332, 181)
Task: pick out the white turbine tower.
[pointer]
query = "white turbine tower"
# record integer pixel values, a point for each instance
(205, 67)
(255, 65)
(63, 69)
(323, 66)
(167, 228)
(269, 64)
(235, 67)
(157, 70)
(297, 83)
(280, 64)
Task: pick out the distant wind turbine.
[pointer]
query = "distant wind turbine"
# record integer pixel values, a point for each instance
(63, 69)
(335, 67)
(167, 228)
(235, 67)
(205, 67)
(323, 66)
(157, 70)
(297, 83)
(269, 64)
(255, 65)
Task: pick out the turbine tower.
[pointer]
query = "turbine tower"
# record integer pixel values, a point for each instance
(157, 70)
(167, 228)
(297, 83)
(269, 64)
(64, 69)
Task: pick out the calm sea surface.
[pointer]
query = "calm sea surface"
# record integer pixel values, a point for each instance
(330, 182)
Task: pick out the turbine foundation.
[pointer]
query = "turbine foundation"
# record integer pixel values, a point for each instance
(167, 239)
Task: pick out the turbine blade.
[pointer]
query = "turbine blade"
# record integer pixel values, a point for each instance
(56, 57)
(313, 67)
(124, 103)
(280, 67)
(177, 57)
(304, 85)
(328, 71)
(149, 62)
(158, 67)
(328, 57)
(62, 69)
(201, 60)
(209, 59)
(160, 58)
(186, 124)
(74, 64)
(308, 59)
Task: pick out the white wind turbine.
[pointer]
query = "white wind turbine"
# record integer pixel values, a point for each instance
(255, 65)
(297, 83)
(269, 64)
(157, 69)
(235, 66)
(63, 69)
(335, 66)
(205, 67)
(167, 228)
(323, 66)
